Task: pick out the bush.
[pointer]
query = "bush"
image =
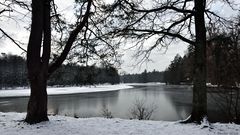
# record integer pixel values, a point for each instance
(106, 113)
(141, 111)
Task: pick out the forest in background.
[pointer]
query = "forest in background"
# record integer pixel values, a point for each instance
(13, 73)
(223, 64)
(144, 77)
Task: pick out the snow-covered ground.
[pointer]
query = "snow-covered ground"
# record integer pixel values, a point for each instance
(20, 92)
(11, 124)
(145, 84)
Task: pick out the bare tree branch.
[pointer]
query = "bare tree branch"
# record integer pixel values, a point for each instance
(159, 9)
(70, 41)
(5, 10)
(164, 32)
(14, 41)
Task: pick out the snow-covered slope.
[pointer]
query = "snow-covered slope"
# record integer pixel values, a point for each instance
(10, 124)
(65, 90)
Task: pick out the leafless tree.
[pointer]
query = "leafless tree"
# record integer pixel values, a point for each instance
(83, 40)
(46, 51)
(163, 22)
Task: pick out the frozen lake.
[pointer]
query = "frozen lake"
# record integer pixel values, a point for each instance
(171, 103)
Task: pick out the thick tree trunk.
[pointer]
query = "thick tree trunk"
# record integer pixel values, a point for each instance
(199, 108)
(199, 101)
(37, 65)
(37, 105)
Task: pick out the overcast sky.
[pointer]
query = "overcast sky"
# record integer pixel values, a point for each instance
(160, 59)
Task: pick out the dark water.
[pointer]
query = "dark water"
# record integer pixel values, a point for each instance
(170, 102)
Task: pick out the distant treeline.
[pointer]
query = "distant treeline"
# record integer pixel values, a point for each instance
(180, 71)
(223, 68)
(84, 75)
(13, 73)
(223, 63)
(154, 76)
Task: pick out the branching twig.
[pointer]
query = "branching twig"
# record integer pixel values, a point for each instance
(14, 41)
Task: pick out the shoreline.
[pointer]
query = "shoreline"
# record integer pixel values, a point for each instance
(52, 91)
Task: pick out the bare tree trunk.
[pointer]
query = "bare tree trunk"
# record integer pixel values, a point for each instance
(37, 105)
(236, 108)
(37, 63)
(199, 108)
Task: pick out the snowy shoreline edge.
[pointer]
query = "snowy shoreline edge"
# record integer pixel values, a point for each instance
(25, 92)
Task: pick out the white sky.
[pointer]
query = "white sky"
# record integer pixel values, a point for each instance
(160, 59)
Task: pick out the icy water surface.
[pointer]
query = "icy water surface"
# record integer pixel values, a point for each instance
(170, 103)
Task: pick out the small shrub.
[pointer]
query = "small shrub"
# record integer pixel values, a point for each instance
(140, 111)
(106, 113)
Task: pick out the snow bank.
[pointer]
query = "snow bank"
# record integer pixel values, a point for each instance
(145, 84)
(10, 124)
(65, 90)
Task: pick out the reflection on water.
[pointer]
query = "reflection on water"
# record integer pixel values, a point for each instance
(172, 102)
(82, 105)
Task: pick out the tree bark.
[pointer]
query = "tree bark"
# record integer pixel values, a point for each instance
(37, 105)
(37, 65)
(199, 107)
